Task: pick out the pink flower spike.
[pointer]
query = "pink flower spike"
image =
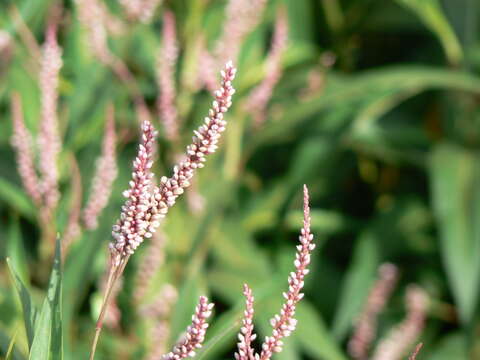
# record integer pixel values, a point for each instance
(166, 62)
(23, 144)
(246, 336)
(135, 219)
(400, 338)
(366, 324)
(262, 94)
(285, 323)
(105, 175)
(195, 334)
(48, 137)
(145, 207)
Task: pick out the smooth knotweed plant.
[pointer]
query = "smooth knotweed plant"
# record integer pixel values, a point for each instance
(48, 136)
(366, 324)
(260, 96)
(166, 62)
(105, 174)
(22, 142)
(42, 188)
(284, 323)
(147, 203)
(401, 337)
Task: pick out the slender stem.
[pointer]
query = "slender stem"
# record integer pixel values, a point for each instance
(112, 277)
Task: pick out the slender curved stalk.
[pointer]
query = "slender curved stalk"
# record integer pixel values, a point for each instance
(112, 277)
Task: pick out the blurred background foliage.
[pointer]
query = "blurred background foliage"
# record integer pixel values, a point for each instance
(377, 110)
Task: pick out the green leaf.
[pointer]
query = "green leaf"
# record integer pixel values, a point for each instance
(455, 174)
(5, 345)
(182, 314)
(16, 198)
(313, 334)
(29, 309)
(16, 250)
(453, 346)
(356, 285)
(48, 339)
(430, 12)
(341, 92)
(11, 346)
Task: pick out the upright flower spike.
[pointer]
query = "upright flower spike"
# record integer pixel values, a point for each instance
(48, 137)
(260, 96)
(166, 62)
(105, 175)
(23, 145)
(246, 335)
(195, 334)
(284, 323)
(366, 324)
(396, 344)
(241, 17)
(146, 205)
(136, 219)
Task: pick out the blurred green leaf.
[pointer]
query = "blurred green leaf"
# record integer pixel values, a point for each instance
(16, 251)
(342, 92)
(430, 12)
(5, 344)
(313, 334)
(455, 180)
(11, 346)
(16, 198)
(29, 309)
(453, 346)
(356, 284)
(48, 338)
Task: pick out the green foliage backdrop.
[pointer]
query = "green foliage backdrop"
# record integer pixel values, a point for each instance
(377, 111)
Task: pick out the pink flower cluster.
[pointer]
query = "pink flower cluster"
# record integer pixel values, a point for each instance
(195, 332)
(43, 189)
(284, 323)
(147, 204)
(366, 325)
(260, 96)
(23, 143)
(48, 136)
(246, 335)
(401, 337)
